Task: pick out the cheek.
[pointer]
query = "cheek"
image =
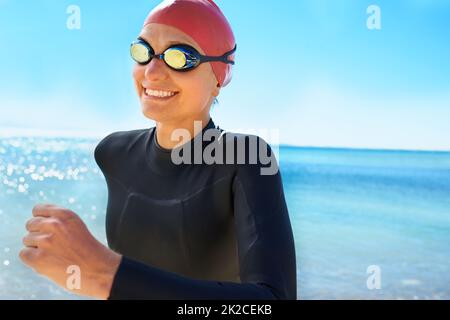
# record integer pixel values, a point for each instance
(195, 89)
(194, 96)
(138, 76)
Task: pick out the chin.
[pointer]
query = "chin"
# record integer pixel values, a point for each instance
(155, 113)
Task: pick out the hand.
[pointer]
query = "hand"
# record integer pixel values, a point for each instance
(59, 245)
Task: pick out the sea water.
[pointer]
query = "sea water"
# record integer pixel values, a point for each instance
(349, 209)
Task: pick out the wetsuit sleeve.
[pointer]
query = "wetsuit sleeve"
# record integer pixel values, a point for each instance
(265, 239)
(265, 247)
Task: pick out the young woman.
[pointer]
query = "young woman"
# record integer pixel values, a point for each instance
(190, 230)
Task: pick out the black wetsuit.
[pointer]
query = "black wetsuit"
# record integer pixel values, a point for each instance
(194, 231)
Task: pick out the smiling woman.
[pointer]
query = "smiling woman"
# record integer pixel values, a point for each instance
(191, 93)
(177, 231)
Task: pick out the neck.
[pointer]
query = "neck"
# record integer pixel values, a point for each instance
(164, 131)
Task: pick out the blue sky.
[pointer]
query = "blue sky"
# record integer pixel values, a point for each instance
(310, 69)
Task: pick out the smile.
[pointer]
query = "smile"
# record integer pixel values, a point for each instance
(159, 94)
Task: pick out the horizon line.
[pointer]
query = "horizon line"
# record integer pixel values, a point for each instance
(16, 132)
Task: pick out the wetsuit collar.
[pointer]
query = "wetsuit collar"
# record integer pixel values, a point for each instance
(159, 159)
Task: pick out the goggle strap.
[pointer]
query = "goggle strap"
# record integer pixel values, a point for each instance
(223, 58)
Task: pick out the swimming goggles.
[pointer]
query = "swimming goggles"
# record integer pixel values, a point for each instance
(179, 57)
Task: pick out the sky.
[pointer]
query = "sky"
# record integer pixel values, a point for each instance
(307, 73)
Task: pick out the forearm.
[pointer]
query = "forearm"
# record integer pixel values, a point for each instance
(137, 281)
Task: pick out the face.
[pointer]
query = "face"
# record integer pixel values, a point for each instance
(195, 90)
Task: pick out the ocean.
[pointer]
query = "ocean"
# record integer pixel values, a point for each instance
(351, 211)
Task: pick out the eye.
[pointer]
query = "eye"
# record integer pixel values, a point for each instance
(175, 58)
(139, 52)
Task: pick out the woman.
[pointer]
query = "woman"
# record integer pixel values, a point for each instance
(177, 230)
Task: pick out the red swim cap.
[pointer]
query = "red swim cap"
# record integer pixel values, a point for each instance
(204, 22)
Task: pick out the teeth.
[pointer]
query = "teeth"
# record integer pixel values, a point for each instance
(160, 94)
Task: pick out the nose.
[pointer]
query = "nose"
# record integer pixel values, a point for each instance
(156, 70)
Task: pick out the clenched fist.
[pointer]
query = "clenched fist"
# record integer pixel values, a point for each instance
(59, 242)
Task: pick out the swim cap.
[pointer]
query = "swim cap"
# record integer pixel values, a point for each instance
(204, 22)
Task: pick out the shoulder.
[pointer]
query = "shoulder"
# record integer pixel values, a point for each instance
(249, 140)
(121, 139)
(251, 153)
(258, 181)
(117, 144)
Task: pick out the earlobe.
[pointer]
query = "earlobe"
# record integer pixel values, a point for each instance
(216, 91)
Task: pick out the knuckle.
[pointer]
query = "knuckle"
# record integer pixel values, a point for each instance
(63, 213)
(69, 214)
(36, 208)
(55, 224)
(25, 255)
(30, 224)
(47, 241)
(43, 206)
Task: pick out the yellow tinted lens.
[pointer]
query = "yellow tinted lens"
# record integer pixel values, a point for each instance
(175, 58)
(140, 53)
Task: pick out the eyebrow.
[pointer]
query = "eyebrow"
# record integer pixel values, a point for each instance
(170, 43)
